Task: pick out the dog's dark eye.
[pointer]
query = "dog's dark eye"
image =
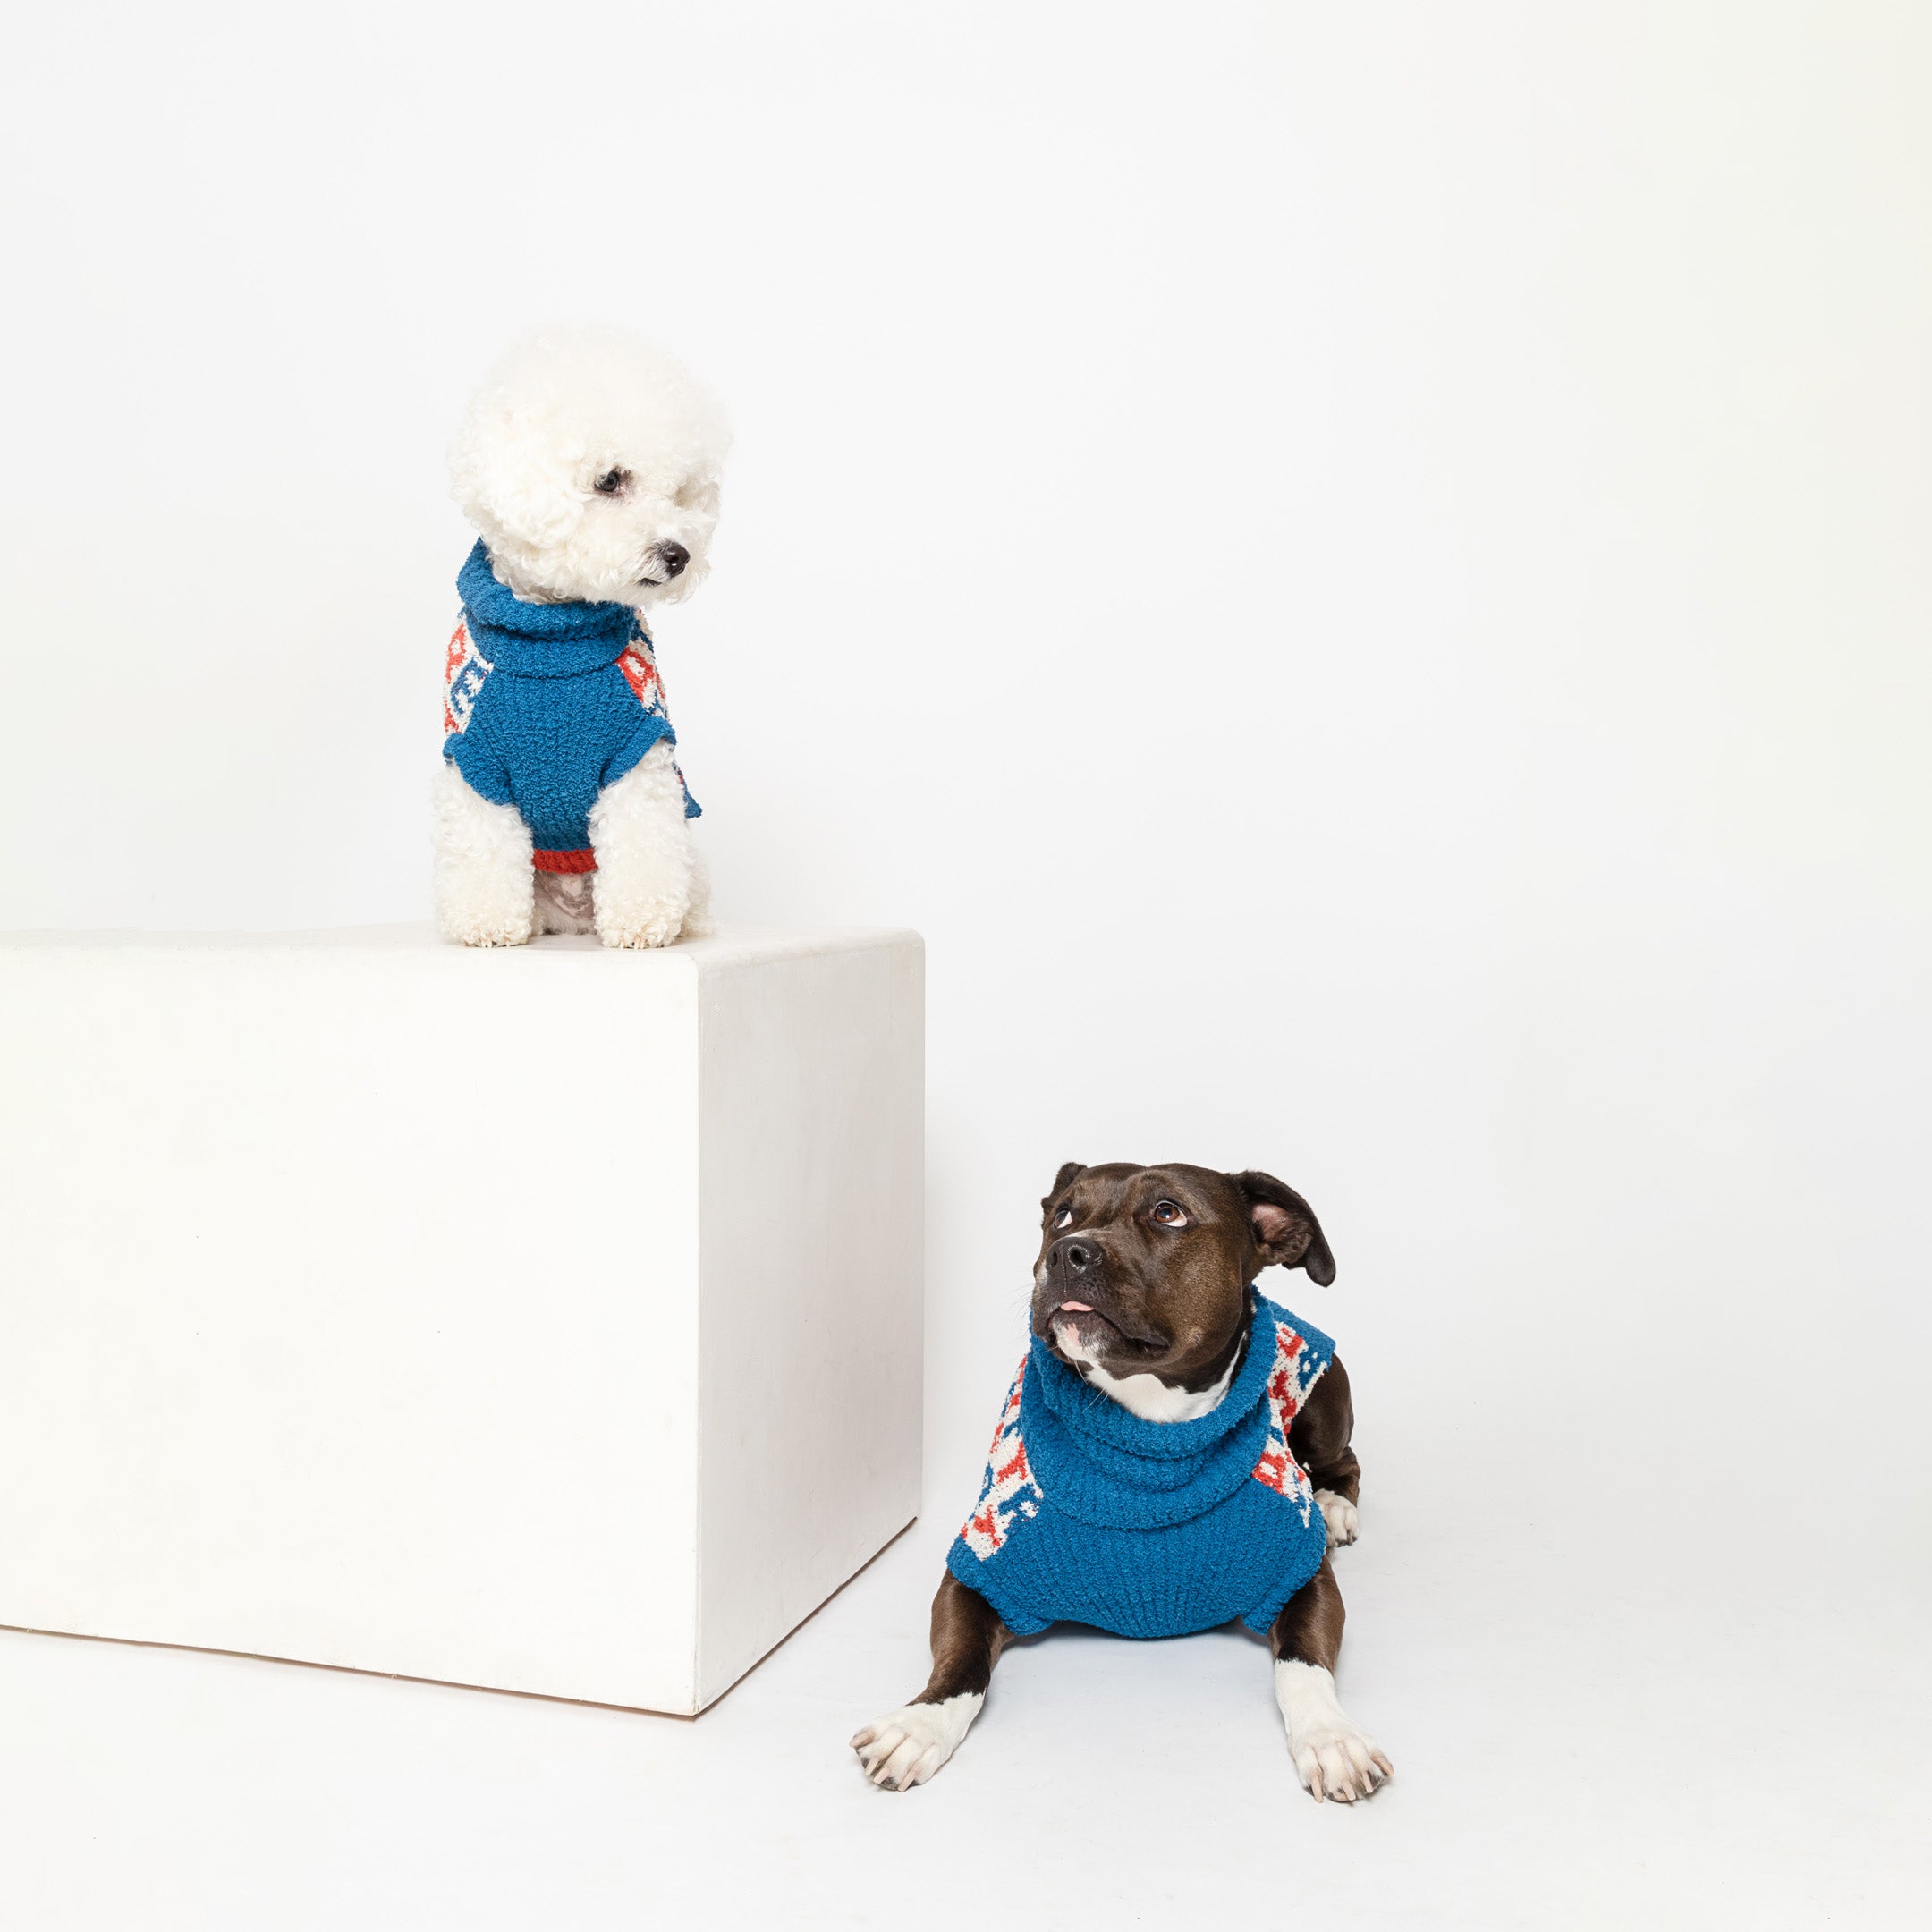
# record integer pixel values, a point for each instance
(1168, 1215)
(612, 482)
(1062, 1217)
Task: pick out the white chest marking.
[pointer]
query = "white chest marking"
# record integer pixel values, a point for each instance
(1145, 1396)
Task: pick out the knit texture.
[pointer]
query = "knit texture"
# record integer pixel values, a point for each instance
(544, 705)
(1149, 1528)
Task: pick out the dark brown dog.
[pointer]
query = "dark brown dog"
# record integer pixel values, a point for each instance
(1143, 1286)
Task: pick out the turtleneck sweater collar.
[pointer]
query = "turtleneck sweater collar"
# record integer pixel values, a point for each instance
(1104, 1464)
(546, 640)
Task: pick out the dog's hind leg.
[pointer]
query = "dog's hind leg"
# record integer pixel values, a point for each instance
(1332, 1758)
(563, 902)
(906, 1746)
(698, 924)
(485, 891)
(644, 873)
(1318, 1441)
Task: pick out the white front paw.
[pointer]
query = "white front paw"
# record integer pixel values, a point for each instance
(506, 931)
(1339, 1513)
(644, 885)
(485, 894)
(641, 923)
(906, 1746)
(1332, 1757)
(1338, 1761)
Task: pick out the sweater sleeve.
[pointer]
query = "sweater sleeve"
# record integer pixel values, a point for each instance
(653, 728)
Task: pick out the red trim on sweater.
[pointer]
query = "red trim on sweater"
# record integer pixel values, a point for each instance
(581, 861)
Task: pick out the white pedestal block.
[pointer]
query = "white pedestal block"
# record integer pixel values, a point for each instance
(546, 1319)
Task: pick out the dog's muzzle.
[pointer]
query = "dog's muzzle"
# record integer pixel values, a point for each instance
(667, 561)
(1075, 1293)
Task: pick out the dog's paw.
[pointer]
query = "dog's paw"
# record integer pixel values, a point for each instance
(484, 895)
(646, 870)
(1332, 1757)
(642, 925)
(1340, 1514)
(1338, 1761)
(507, 930)
(905, 1747)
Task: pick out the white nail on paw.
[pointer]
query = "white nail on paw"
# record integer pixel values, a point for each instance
(1340, 1514)
(1332, 1757)
(906, 1746)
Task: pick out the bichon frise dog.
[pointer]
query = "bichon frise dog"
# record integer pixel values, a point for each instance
(591, 463)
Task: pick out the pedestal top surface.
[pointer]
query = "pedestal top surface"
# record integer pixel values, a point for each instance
(733, 944)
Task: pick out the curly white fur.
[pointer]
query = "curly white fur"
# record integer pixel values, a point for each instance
(644, 875)
(566, 407)
(587, 460)
(485, 890)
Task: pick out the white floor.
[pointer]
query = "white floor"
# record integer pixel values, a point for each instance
(1604, 1709)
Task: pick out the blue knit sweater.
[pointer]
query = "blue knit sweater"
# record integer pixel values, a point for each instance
(1149, 1528)
(544, 705)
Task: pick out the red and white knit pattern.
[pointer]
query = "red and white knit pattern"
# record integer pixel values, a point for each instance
(639, 664)
(1009, 1488)
(1293, 1375)
(464, 669)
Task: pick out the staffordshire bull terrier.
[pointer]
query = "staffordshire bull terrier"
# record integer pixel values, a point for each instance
(1173, 1454)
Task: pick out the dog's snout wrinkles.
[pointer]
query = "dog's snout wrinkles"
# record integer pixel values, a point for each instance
(673, 556)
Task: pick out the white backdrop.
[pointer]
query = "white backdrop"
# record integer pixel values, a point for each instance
(1360, 574)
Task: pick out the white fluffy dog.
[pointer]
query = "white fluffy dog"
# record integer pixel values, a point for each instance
(591, 463)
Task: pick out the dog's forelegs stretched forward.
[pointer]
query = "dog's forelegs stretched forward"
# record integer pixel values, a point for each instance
(1332, 1758)
(906, 1746)
(646, 875)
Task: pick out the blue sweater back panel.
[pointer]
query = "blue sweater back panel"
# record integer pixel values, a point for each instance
(1149, 1528)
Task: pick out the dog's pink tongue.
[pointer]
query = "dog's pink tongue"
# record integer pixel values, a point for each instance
(1075, 1307)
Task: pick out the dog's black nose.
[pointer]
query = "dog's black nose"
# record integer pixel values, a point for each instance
(673, 556)
(1072, 1256)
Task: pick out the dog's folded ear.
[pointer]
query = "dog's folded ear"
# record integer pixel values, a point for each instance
(1285, 1229)
(1069, 1171)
